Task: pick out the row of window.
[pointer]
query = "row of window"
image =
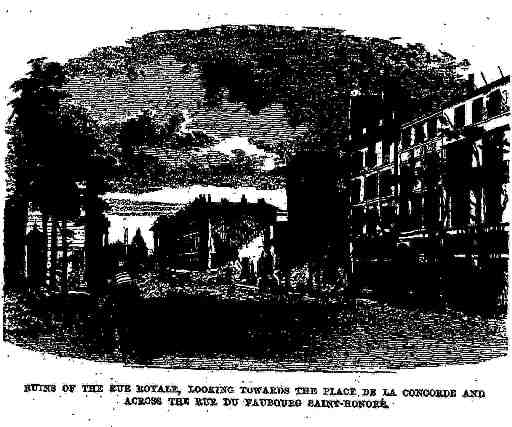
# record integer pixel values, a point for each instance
(424, 209)
(420, 210)
(370, 158)
(417, 134)
(368, 220)
(375, 185)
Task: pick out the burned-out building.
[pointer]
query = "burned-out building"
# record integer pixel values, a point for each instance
(428, 196)
(374, 123)
(207, 234)
(453, 175)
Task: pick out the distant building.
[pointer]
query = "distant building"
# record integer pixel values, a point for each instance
(46, 266)
(209, 234)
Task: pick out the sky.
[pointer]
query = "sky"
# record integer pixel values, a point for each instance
(63, 30)
(60, 30)
(132, 223)
(188, 194)
(164, 89)
(183, 196)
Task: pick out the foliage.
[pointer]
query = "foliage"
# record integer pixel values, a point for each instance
(54, 143)
(34, 121)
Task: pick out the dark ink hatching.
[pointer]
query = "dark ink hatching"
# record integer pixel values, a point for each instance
(258, 198)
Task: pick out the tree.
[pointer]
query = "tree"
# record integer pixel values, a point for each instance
(32, 127)
(54, 146)
(79, 140)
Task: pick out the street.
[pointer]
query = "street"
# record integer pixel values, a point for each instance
(362, 336)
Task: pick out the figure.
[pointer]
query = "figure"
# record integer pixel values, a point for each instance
(124, 299)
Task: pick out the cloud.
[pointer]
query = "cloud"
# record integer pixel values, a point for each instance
(163, 88)
(188, 194)
(230, 146)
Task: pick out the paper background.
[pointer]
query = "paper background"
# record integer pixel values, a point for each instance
(477, 30)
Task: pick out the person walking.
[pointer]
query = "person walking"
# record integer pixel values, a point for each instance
(124, 302)
(268, 280)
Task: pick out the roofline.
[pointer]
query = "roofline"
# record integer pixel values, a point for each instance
(448, 104)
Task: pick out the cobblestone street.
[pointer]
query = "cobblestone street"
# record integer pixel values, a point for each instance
(377, 337)
(364, 336)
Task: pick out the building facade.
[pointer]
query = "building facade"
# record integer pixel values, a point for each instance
(452, 189)
(208, 234)
(374, 124)
(428, 207)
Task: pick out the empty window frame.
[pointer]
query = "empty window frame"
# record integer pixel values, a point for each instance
(387, 216)
(432, 129)
(417, 210)
(419, 134)
(372, 220)
(357, 162)
(370, 187)
(477, 110)
(494, 103)
(385, 183)
(386, 152)
(406, 137)
(460, 116)
(371, 156)
(355, 191)
(357, 219)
